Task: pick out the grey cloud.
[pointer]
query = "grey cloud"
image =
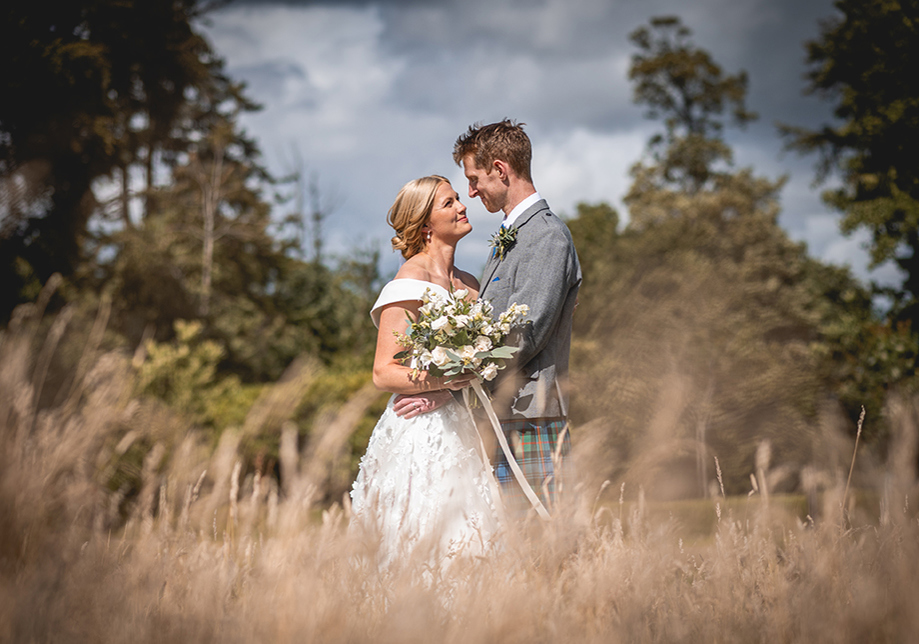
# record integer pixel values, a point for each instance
(452, 44)
(557, 95)
(472, 39)
(269, 78)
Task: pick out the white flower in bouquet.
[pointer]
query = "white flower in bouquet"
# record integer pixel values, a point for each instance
(461, 321)
(425, 359)
(435, 299)
(439, 356)
(467, 352)
(490, 371)
(513, 313)
(441, 323)
(483, 343)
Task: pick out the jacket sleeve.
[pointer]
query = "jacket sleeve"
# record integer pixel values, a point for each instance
(547, 271)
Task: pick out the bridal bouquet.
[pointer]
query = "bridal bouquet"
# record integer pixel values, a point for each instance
(453, 335)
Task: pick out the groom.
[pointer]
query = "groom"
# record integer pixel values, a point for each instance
(535, 263)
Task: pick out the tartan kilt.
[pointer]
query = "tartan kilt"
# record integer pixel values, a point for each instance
(534, 443)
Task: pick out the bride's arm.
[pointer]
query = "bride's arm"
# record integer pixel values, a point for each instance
(391, 375)
(409, 405)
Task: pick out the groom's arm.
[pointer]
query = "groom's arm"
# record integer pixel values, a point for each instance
(548, 268)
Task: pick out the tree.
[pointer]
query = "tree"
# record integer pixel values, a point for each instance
(91, 88)
(707, 316)
(209, 236)
(864, 61)
(684, 85)
(598, 223)
(113, 92)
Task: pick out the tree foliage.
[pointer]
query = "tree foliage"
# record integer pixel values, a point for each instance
(125, 169)
(702, 329)
(90, 88)
(686, 88)
(864, 62)
(183, 374)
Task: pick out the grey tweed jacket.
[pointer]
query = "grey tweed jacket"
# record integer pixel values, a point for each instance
(540, 270)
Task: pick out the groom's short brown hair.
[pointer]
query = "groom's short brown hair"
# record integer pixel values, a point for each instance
(504, 140)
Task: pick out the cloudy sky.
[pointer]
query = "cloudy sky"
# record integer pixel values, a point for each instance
(371, 94)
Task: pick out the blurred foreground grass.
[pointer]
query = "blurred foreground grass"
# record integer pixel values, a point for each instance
(207, 551)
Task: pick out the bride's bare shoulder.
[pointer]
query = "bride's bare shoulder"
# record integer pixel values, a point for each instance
(413, 270)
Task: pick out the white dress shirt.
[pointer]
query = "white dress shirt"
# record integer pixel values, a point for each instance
(519, 209)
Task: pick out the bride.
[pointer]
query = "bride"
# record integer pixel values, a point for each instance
(423, 487)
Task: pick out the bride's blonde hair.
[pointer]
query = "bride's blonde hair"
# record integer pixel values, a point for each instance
(410, 212)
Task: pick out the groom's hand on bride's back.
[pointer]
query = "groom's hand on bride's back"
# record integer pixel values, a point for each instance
(410, 405)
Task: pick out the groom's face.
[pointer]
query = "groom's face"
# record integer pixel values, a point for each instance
(487, 186)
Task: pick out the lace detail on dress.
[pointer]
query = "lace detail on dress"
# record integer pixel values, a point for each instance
(423, 484)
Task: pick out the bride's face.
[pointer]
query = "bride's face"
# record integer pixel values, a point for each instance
(448, 220)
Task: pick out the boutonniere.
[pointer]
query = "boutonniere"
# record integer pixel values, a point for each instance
(502, 241)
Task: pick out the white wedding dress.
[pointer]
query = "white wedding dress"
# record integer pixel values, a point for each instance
(424, 488)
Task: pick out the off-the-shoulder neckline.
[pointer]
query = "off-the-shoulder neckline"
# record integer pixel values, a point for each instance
(412, 279)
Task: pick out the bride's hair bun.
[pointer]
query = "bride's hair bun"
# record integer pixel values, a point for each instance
(410, 212)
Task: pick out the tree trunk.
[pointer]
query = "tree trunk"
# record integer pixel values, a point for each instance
(126, 196)
(211, 199)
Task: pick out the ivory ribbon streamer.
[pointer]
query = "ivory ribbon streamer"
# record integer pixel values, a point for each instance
(502, 441)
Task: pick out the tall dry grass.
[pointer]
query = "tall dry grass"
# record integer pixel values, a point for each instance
(204, 553)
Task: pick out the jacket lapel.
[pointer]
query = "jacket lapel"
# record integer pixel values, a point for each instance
(491, 266)
(531, 212)
(488, 274)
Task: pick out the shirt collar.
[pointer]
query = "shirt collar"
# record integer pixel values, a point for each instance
(519, 209)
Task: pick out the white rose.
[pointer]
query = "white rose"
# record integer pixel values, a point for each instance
(461, 321)
(439, 356)
(490, 371)
(468, 352)
(483, 343)
(443, 322)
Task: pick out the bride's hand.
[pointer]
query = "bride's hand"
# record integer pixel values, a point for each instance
(410, 405)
